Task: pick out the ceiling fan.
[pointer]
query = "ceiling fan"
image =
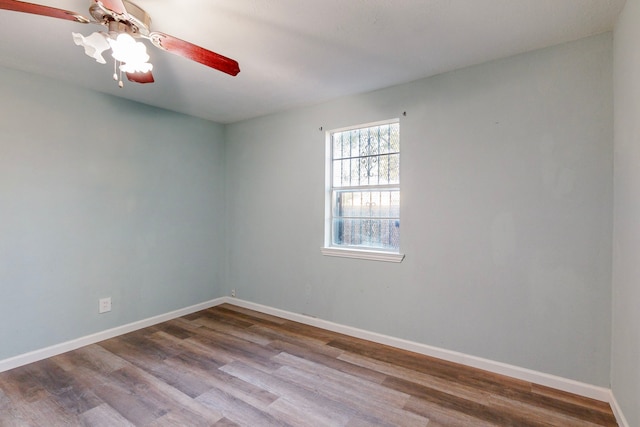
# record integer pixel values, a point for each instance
(125, 23)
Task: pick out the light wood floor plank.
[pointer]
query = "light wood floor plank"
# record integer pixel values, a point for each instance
(326, 411)
(104, 416)
(331, 360)
(237, 410)
(374, 408)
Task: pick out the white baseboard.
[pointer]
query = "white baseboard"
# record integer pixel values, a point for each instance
(54, 350)
(617, 411)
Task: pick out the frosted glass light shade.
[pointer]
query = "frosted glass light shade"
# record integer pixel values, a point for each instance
(93, 45)
(132, 54)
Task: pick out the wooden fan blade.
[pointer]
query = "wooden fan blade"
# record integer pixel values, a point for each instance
(38, 9)
(141, 77)
(195, 53)
(115, 6)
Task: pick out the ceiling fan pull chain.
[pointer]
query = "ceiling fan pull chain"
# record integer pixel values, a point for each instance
(117, 75)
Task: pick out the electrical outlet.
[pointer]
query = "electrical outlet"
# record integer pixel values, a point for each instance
(233, 293)
(104, 305)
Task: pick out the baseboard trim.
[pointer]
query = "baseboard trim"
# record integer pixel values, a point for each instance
(594, 392)
(617, 411)
(54, 350)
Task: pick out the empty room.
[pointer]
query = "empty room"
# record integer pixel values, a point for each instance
(320, 213)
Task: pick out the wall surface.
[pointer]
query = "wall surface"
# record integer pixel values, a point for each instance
(625, 358)
(506, 212)
(101, 197)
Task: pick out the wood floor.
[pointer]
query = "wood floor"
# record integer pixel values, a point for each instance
(229, 366)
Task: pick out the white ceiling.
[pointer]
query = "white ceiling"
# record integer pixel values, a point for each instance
(300, 52)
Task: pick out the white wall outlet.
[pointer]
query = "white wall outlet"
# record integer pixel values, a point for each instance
(104, 305)
(233, 293)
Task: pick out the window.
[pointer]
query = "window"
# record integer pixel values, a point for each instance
(363, 192)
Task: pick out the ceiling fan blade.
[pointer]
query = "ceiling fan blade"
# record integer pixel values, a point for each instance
(115, 6)
(38, 9)
(141, 77)
(195, 53)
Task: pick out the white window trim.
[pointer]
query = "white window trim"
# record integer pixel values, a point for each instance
(349, 252)
(362, 254)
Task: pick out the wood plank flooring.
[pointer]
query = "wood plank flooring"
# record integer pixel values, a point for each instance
(229, 366)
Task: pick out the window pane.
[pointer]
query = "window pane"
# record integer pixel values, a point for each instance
(394, 138)
(370, 233)
(366, 141)
(368, 170)
(342, 173)
(341, 148)
(380, 170)
(367, 204)
(383, 139)
(364, 170)
(393, 174)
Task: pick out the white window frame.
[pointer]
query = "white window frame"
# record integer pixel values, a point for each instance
(329, 248)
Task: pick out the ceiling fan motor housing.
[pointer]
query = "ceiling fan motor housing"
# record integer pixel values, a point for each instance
(135, 22)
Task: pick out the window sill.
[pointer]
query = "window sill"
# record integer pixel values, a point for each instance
(362, 254)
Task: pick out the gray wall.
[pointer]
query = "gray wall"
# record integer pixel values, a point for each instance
(101, 197)
(506, 212)
(625, 360)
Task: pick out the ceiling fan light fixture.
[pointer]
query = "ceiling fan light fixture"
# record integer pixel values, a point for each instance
(132, 54)
(93, 44)
(125, 23)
